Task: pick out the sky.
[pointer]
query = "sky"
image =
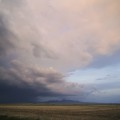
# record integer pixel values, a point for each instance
(60, 49)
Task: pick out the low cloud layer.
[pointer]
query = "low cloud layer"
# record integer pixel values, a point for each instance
(39, 38)
(21, 83)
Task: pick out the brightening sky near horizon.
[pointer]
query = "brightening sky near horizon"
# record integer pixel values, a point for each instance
(60, 49)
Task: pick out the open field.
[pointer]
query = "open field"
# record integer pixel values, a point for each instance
(59, 112)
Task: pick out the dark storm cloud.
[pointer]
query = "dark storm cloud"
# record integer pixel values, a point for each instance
(24, 84)
(13, 93)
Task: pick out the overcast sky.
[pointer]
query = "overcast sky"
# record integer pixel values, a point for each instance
(60, 49)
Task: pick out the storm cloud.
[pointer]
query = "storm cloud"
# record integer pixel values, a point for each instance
(42, 41)
(20, 83)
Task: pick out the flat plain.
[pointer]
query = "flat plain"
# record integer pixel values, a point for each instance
(59, 112)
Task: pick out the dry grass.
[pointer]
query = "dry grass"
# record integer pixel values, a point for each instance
(60, 112)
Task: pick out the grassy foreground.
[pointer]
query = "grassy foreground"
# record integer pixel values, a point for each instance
(59, 112)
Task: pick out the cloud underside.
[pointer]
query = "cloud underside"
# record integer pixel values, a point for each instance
(39, 38)
(21, 83)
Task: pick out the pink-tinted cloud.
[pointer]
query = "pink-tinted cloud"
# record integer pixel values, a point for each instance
(62, 35)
